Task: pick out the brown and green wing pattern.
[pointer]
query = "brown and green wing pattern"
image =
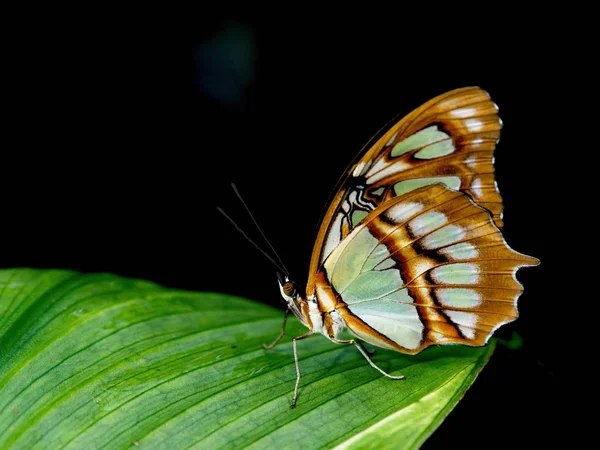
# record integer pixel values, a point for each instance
(427, 267)
(450, 140)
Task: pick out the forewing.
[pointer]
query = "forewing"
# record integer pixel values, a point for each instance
(450, 140)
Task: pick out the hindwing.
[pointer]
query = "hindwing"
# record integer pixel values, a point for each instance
(426, 267)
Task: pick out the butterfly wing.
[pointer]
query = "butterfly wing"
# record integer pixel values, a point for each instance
(449, 140)
(426, 267)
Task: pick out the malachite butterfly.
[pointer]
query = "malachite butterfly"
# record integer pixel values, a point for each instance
(410, 252)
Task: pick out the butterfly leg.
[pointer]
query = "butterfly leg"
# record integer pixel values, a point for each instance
(365, 353)
(281, 333)
(370, 352)
(304, 336)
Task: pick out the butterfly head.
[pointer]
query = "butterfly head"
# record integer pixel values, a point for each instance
(291, 296)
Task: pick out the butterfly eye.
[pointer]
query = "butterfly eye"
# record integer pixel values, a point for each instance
(289, 289)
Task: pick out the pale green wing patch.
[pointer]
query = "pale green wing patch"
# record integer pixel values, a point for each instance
(364, 275)
(430, 143)
(357, 216)
(402, 187)
(353, 268)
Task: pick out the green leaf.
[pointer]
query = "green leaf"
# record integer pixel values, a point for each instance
(90, 361)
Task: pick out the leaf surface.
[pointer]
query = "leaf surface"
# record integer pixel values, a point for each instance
(100, 361)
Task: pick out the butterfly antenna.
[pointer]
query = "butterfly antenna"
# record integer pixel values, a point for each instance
(237, 193)
(269, 257)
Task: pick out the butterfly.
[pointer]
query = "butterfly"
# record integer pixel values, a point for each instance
(410, 251)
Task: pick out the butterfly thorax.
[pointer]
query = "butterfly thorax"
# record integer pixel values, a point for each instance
(318, 313)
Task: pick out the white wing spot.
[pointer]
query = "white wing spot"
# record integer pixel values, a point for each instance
(464, 112)
(458, 273)
(462, 250)
(444, 236)
(346, 206)
(466, 321)
(477, 188)
(426, 223)
(359, 168)
(474, 124)
(459, 297)
(401, 212)
(471, 161)
(438, 337)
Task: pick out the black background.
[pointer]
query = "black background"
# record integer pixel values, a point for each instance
(124, 129)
